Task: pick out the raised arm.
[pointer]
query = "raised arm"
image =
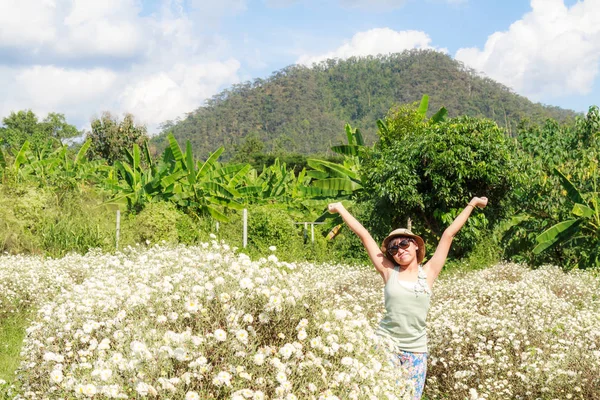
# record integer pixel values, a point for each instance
(375, 254)
(437, 261)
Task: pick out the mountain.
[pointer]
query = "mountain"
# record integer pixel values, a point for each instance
(304, 109)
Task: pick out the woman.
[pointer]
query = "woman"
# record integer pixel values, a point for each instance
(408, 285)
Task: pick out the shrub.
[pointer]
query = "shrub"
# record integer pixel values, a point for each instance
(158, 222)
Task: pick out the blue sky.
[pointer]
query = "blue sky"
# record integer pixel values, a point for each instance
(160, 59)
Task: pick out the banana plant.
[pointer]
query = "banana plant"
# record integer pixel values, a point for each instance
(581, 230)
(341, 179)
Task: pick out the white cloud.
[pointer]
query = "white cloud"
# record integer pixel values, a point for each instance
(64, 28)
(49, 88)
(374, 42)
(85, 57)
(554, 50)
(164, 95)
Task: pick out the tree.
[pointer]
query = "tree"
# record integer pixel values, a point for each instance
(56, 126)
(22, 126)
(111, 137)
(428, 170)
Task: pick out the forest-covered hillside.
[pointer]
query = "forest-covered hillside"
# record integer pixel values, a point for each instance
(303, 110)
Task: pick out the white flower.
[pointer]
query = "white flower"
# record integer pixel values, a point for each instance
(272, 248)
(105, 374)
(89, 390)
(56, 376)
(281, 377)
(192, 396)
(248, 318)
(242, 335)
(220, 335)
(302, 335)
(192, 305)
(259, 359)
(246, 283)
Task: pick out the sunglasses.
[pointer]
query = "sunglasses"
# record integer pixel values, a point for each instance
(403, 244)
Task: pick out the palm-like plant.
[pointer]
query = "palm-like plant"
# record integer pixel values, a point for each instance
(582, 230)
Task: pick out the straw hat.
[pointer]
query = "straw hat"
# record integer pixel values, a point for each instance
(402, 232)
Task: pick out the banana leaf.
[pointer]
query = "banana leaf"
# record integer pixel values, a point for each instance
(21, 156)
(246, 190)
(345, 185)
(216, 214)
(175, 149)
(147, 154)
(423, 106)
(556, 234)
(189, 163)
(346, 150)
(439, 116)
(333, 169)
(313, 191)
(572, 192)
(222, 201)
(583, 211)
(82, 151)
(317, 174)
(208, 165)
(239, 175)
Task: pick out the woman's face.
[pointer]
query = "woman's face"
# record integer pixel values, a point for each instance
(405, 248)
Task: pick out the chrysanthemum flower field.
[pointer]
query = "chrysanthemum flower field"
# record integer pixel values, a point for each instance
(208, 322)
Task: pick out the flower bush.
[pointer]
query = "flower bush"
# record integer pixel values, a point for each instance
(208, 322)
(509, 332)
(203, 322)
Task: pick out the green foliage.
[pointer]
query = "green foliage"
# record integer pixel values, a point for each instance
(427, 171)
(23, 126)
(269, 226)
(303, 110)
(159, 222)
(110, 137)
(582, 231)
(543, 198)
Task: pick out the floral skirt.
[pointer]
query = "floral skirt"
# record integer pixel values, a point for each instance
(416, 364)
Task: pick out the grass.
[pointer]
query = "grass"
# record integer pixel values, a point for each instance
(12, 332)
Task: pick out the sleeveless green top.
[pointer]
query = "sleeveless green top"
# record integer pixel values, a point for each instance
(406, 307)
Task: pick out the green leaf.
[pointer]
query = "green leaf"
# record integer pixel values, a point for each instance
(21, 157)
(335, 170)
(2, 159)
(136, 157)
(359, 138)
(81, 153)
(572, 192)
(439, 116)
(345, 185)
(147, 154)
(383, 128)
(189, 163)
(423, 106)
(583, 211)
(216, 214)
(317, 174)
(313, 191)
(346, 150)
(209, 163)
(175, 149)
(556, 234)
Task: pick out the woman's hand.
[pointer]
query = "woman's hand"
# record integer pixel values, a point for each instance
(335, 207)
(480, 202)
